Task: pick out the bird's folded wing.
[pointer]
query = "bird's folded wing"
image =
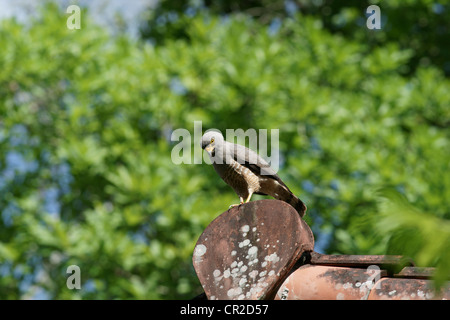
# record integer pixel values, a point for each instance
(251, 160)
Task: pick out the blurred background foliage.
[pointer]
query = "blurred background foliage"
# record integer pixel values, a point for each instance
(86, 117)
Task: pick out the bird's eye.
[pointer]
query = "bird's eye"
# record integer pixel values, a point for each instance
(212, 140)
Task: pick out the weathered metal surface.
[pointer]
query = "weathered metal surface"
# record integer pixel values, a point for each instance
(406, 289)
(313, 282)
(343, 260)
(247, 251)
(263, 250)
(415, 272)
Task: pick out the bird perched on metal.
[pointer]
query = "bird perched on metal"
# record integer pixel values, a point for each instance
(246, 172)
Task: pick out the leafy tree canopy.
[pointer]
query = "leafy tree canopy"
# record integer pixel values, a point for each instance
(86, 176)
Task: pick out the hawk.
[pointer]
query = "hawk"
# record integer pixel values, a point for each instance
(246, 172)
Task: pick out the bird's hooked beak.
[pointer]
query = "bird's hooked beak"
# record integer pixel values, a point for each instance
(209, 148)
(209, 145)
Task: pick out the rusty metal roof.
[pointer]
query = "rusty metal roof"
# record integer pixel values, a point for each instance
(264, 250)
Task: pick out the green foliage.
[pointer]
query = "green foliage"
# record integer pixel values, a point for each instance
(86, 118)
(421, 25)
(422, 236)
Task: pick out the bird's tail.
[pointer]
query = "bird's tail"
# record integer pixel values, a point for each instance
(283, 193)
(297, 204)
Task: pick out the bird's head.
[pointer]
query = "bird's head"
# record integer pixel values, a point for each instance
(210, 140)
